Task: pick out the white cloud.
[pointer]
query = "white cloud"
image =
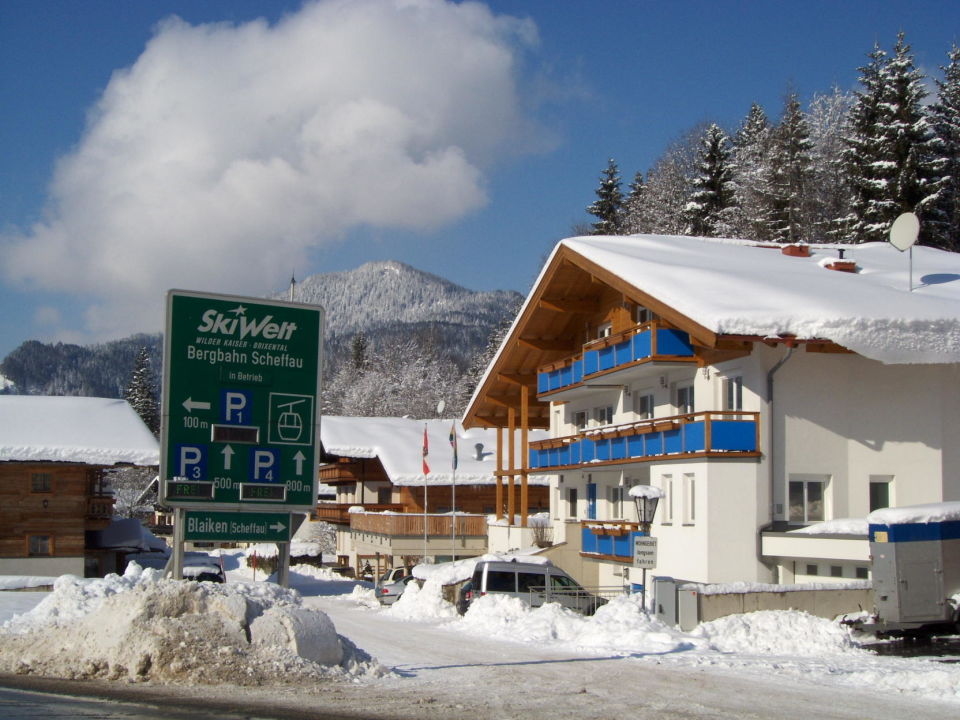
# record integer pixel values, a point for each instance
(227, 151)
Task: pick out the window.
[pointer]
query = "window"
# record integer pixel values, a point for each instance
(684, 399)
(41, 482)
(807, 500)
(615, 496)
(580, 419)
(643, 405)
(501, 581)
(40, 545)
(529, 582)
(880, 491)
(836, 571)
(812, 570)
(689, 498)
(667, 484)
(384, 495)
(605, 330)
(641, 315)
(603, 415)
(863, 573)
(733, 393)
(571, 502)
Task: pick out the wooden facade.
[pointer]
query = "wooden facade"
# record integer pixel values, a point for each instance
(46, 508)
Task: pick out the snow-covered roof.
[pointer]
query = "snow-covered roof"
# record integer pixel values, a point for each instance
(398, 443)
(927, 513)
(91, 431)
(738, 287)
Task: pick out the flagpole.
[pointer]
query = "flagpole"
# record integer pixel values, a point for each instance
(426, 470)
(453, 494)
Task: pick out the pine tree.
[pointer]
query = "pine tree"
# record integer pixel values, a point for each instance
(141, 392)
(830, 193)
(790, 173)
(608, 206)
(944, 219)
(661, 209)
(633, 216)
(358, 352)
(710, 206)
(893, 157)
(748, 165)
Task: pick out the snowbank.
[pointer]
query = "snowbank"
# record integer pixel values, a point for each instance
(140, 627)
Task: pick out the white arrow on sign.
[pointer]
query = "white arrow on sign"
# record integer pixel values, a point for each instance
(299, 457)
(227, 456)
(278, 527)
(190, 404)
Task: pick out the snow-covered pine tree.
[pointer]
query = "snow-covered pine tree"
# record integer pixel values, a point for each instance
(662, 206)
(608, 206)
(710, 206)
(790, 173)
(943, 222)
(358, 352)
(141, 392)
(748, 166)
(829, 191)
(633, 215)
(896, 164)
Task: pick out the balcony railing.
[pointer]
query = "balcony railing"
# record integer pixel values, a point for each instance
(340, 512)
(609, 538)
(643, 343)
(713, 433)
(100, 507)
(411, 525)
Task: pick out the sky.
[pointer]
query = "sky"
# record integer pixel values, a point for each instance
(223, 145)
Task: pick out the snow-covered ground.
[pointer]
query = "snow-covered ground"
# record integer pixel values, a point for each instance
(499, 660)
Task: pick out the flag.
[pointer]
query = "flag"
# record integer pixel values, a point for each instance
(426, 468)
(453, 443)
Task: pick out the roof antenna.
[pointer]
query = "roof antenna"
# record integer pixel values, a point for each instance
(293, 286)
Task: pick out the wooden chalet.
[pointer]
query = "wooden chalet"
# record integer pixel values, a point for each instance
(53, 494)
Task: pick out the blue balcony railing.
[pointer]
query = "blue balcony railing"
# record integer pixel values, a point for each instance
(613, 539)
(715, 432)
(649, 343)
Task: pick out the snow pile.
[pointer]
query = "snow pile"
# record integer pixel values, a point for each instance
(143, 628)
(777, 632)
(840, 526)
(18, 582)
(927, 513)
(423, 603)
(364, 596)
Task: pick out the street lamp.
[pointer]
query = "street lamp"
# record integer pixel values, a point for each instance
(646, 498)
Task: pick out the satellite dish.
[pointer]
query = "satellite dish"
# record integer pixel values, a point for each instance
(904, 231)
(440, 407)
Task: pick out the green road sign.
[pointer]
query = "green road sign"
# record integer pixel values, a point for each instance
(236, 526)
(240, 402)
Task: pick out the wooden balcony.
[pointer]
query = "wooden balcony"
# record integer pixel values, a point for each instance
(339, 513)
(99, 512)
(411, 525)
(702, 434)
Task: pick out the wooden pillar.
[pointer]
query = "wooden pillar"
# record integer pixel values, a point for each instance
(512, 463)
(524, 454)
(499, 473)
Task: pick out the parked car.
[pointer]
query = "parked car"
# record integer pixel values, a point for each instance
(204, 572)
(388, 594)
(534, 583)
(392, 575)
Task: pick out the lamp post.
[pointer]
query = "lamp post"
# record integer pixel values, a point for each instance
(646, 498)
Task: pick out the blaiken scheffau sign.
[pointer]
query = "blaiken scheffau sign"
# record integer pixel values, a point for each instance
(240, 402)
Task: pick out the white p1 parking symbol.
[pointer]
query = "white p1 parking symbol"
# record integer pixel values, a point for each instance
(264, 465)
(236, 407)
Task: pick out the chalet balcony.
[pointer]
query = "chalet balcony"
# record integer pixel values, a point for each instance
(609, 539)
(339, 513)
(701, 434)
(411, 525)
(609, 360)
(99, 512)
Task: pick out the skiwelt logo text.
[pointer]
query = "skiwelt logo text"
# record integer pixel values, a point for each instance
(241, 326)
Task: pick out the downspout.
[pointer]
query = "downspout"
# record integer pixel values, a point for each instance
(771, 452)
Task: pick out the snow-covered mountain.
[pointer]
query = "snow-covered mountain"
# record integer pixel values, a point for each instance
(382, 294)
(387, 301)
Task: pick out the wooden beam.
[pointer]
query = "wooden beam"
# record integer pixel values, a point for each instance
(523, 379)
(559, 344)
(524, 454)
(501, 400)
(569, 305)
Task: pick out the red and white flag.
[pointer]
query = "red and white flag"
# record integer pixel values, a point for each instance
(426, 468)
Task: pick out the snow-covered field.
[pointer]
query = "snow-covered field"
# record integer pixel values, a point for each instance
(419, 658)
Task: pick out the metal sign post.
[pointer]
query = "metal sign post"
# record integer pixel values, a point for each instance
(644, 557)
(241, 416)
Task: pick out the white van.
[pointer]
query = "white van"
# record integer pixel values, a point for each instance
(534, 583)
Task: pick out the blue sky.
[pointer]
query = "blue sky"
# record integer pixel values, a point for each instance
(139, 154)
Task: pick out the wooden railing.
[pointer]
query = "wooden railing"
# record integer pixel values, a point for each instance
(411, 525)
(100, 507)
(340, 512)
